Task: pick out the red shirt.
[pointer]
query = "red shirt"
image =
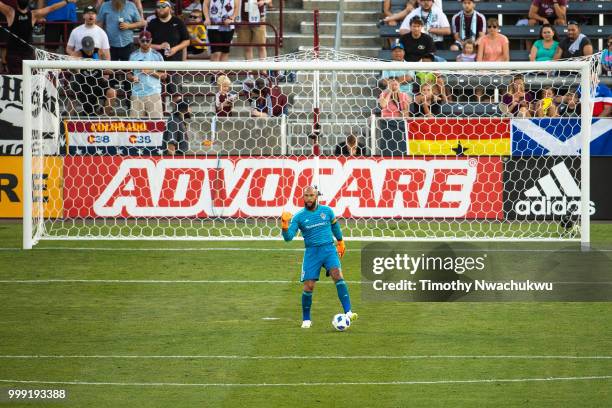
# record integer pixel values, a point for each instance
(226, 110)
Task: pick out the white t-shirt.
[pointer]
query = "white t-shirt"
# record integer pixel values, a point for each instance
(98, 34)
(434, 19)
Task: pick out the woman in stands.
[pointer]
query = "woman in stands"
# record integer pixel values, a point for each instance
(546, 106)
(544, 49)
(494, 46)
(393, 102)
(517, 101)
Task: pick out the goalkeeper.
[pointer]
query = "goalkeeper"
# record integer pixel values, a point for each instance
(319, 226)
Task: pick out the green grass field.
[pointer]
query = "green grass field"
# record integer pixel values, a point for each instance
(163, 327)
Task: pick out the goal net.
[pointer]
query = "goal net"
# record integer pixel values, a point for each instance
(202, 150)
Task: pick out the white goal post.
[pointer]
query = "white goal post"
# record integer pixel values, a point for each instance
(322, 111)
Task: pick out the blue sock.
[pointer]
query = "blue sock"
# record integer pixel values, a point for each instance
(343, 295)
(306, 304)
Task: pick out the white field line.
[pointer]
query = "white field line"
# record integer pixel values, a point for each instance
(251, 249)
(307, 357)
(312, 384)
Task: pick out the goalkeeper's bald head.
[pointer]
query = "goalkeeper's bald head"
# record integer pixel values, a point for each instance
(311, 196)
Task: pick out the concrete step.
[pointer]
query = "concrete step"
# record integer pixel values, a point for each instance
(369, 5)
(293, 41)
(360, 28)
(293, 18)
(357, 78)
(339, 104)
(371, 52)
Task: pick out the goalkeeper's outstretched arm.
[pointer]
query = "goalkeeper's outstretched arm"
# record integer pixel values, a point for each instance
(335, 226)
(289, 226)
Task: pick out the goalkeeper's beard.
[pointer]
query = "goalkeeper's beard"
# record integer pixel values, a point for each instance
(311, 206)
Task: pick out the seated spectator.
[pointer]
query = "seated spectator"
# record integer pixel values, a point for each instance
(468, 24)
(146, 88)
(545, 48)
(61, 22)
(426, 103)
(547, 12)
(469, 52)
(434, 22)
(224, 99)
(120, 18)
(92, 30)
(405, 78)
(516, 101)
(176, 140)
(575, 44)
(493, 46)
(267, 100)
(218, 18)
(569, 105)
(21, 20)
(480, 96)
(433, 79)
(351, 147)
(546, 106)
(415, 42)
(606, 59)
(197, 33)
(393, 102)
(90, 85)
(393, 19)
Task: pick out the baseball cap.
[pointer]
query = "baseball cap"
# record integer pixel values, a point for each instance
(164, 3)
(397, 44)
(88, 44)
(90, 9)
(145, 35)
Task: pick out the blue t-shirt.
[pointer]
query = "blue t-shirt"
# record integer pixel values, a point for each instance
(66, 13)
(110, 18)
(318, 227)
(147, 84)
(545, 54)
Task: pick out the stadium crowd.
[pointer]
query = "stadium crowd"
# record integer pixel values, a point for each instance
(108, 29)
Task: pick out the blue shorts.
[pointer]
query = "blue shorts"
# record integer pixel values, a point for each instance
(316, 258)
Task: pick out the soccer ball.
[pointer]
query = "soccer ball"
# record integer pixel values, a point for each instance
(341, 322)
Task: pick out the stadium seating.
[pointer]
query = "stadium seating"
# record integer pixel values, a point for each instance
(515, 55)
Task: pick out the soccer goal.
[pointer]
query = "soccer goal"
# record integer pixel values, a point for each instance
(400, 151)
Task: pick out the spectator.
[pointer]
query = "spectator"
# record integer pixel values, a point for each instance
(434, 22)
(468, 24)
(575, 44)
(405, 78)
(392, 19)
(219, 16)
(547, 12)
(393, 102)
(176, 140)
(517, 102)
(170, 37)
(146, 88)
(493, 46)
(481, 96)
(546, 106)
(469, 52)
(120, 18)
(224, 99)
(137, 3)
(569, 106)
(88, 29)
(21, 21)
(606, 59)
(253, 11)
(602, 101)
(432, 78)
(545, 48)
(426, 103)
(89, 85)
(351, 147)
(267, 100)
(197, 33)
(415, 42)
(62, 21)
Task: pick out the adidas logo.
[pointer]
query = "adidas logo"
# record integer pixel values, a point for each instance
(556, 193)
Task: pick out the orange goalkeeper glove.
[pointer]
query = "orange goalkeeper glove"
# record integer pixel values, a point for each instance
(285, 219)
(341, 248)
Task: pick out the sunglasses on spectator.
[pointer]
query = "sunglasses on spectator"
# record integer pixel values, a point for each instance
(491, 26)
(144, 40)
(194, 16)
(163, 5)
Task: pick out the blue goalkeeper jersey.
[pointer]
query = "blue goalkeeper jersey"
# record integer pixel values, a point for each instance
(318, 227)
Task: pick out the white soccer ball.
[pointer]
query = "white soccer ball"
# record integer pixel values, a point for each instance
(341, 322)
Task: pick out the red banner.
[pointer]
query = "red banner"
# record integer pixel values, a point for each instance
(116, 186)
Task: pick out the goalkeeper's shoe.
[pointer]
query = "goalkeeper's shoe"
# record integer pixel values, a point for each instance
(306, 324)
(352, 316)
